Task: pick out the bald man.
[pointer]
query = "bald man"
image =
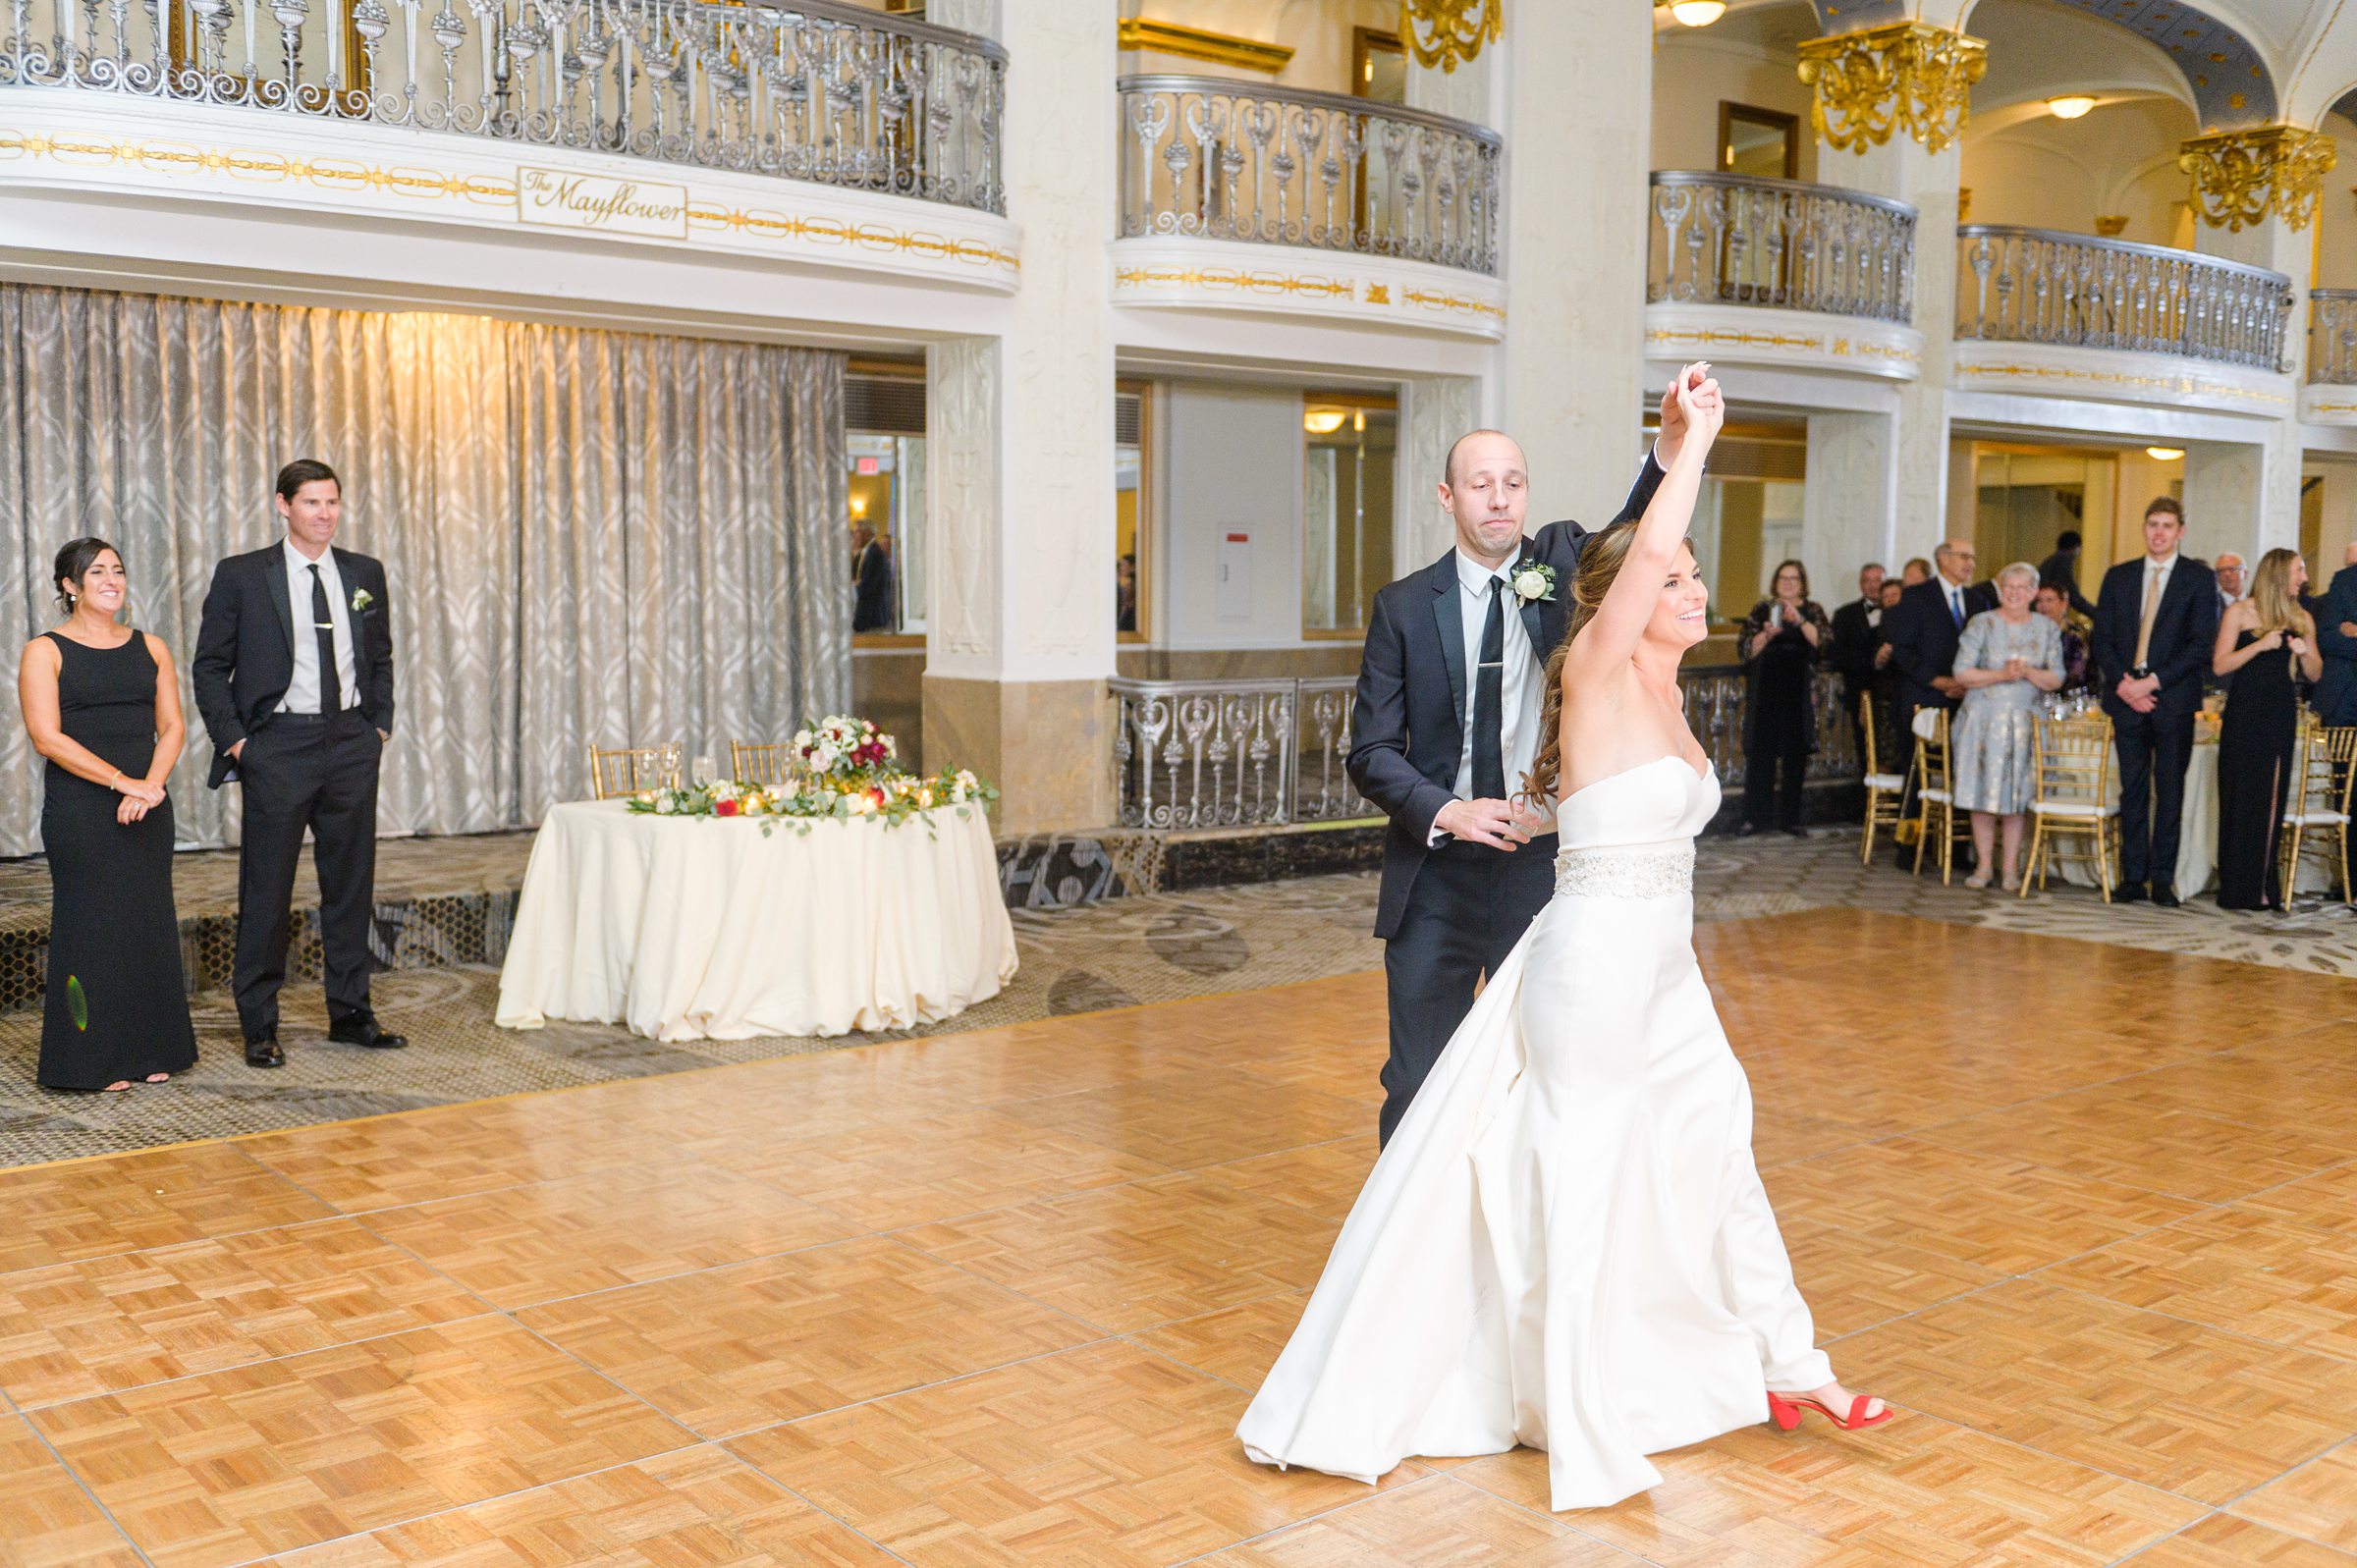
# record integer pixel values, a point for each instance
(1444, 730)
(1925, 629)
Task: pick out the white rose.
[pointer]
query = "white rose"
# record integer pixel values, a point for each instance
(1530, 584)
(663, 806)
(801, 739)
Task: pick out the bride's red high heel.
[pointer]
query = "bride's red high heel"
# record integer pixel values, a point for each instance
(1784, 1411)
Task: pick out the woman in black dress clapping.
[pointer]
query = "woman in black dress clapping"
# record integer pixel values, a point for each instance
(102, 705)
(2266, 646)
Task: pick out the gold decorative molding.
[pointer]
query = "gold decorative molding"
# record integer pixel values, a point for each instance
(1449, 33)
(2111, 225)
(479, 191)
(1246, 280)
(1198, 44)
(1908, 76)
(2168, 385)
(2239, 177)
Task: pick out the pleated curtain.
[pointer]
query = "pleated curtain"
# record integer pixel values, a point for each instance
(588, 536)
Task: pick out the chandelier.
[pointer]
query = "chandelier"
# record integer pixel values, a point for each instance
(1447, 32)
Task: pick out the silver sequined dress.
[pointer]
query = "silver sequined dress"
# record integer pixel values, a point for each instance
(1992, 732)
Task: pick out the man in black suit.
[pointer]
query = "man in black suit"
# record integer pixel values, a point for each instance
(1925, 629)
(293, 676)
(1857, 636)
(2155, 622)
(2062, 570)
(1444, 731)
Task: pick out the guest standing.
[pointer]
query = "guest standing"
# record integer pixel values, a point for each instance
(2078, 669)
(2336, 616)
(2008, 656)
(1889, 737)
(1924, 630)
(102, 706)
(2155, 621)
(2265, 645)
(1857, 639)
(1782, 640)
(871, 582)
(2062, 570)
(293, 674)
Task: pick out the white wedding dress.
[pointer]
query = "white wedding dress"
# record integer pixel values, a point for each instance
(1566, 1244)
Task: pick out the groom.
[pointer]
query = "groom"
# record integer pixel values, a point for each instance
(1445, 728)
(293, 676)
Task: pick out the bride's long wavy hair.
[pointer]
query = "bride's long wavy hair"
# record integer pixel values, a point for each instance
(1600, 562)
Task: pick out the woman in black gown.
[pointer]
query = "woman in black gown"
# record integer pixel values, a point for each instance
(1783, 638)
(2265, 644)
(102, 705)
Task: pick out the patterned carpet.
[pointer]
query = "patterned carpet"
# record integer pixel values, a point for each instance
(1152, 949)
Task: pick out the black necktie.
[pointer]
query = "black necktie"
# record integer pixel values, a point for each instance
(323, 622)
(1489, 702)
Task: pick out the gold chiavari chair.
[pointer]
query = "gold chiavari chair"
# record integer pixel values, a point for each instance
(1935, 793)
(2070, 762)
(626, 770)
(760, 762)
(1883, 791)
(2325, 769)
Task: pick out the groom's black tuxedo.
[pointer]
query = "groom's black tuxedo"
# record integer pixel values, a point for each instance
(1449, 912)
(299, 771)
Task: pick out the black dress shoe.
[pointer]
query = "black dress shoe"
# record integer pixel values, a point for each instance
(2128, 893)
(2166, 896)
(364, 1032)
(264, 1053)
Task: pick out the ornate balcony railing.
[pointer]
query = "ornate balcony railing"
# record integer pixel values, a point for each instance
(1233, 753)
(2333, 336)
(821, 91)
(1715, 705)
(1214, 159)
(1261, 753)
(2039, 286)
(1725, 238)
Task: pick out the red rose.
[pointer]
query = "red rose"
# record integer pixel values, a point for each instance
(723, 808)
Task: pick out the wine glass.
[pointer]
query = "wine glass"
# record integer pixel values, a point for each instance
(703, 770)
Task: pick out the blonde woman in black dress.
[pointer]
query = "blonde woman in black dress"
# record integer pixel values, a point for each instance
(102, 705)
(2266, 646)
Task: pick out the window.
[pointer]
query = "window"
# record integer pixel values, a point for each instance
(1378, 66)
(1350, 449)
(884, 458)
(1133, 508)
(1764, 143)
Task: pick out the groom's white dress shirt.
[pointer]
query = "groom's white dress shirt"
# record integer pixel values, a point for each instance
(1519, 699)
(302, 692)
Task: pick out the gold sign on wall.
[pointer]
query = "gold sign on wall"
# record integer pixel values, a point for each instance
(2239, 177)
(1449, 33)
(555, 199)
(1908, 77)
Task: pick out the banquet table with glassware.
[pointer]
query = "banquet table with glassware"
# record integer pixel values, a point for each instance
(724, 928)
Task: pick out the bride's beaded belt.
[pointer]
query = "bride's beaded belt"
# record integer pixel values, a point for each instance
(1626, 871)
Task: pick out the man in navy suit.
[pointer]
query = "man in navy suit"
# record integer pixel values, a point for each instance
(2335, 699)
(2155, 622)
(1444, 730)
(1925, 629)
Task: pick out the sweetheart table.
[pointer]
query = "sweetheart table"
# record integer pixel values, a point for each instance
(702, 927)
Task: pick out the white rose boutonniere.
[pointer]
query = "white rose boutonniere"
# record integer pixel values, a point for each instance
(361, 599)
(1534, 583)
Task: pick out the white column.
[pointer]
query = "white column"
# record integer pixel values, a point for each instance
(1848, 503)
(2227, 493)
(2275, 509)
(1021, 640)
(1578, 137)
(1927, 182)
(1434, 411)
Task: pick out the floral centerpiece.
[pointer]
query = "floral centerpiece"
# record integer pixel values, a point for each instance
(849, 769)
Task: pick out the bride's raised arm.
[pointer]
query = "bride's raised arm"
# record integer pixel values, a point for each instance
(1610, 635)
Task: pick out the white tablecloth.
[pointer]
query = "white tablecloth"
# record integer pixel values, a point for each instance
(699, 927)
(2197, 834)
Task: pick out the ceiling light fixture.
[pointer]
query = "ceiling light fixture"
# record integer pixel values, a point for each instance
(2070, 105)
(1323, 421)
(2164, 453)
(1697, 12)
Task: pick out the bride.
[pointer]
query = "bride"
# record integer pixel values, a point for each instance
(1565, 1243)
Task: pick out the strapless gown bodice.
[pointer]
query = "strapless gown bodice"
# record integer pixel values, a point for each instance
(1631, 834)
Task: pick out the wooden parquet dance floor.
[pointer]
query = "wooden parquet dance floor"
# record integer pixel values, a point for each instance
(2086, 1214)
